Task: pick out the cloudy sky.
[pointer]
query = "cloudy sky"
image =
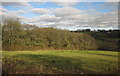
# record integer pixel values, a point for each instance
(65, 15)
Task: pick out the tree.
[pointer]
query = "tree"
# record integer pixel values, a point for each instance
(11, 32)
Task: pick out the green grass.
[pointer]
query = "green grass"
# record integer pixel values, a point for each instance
(60, 62)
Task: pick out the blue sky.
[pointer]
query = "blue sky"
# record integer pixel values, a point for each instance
(64, 15)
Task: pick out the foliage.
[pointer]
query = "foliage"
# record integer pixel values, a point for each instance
(17, 36)
(106, 40)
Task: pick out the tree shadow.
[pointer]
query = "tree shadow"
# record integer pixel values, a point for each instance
(47, 64)
(53, 61)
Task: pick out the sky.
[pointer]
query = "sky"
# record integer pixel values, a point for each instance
(64, 15)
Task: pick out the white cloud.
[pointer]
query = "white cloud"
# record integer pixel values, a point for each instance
(40, 10)
(112, 0)
(25, 0)
(65, 2)
(3, 10)
(21, 12)
(68, 16)
(67, 11)
(61, 1)
(5, 14)
(15, 4)
(42, 18)
(49, 18)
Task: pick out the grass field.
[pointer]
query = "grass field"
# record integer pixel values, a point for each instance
(60, 62)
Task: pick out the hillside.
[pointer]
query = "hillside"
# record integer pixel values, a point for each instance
(17, 36)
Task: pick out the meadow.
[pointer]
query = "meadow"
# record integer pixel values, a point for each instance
(60, 62)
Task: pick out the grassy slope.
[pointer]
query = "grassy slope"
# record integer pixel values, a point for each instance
(51, 62)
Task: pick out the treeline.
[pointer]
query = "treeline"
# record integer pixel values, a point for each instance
(105, 39)
(17, 36)
(98, 30)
